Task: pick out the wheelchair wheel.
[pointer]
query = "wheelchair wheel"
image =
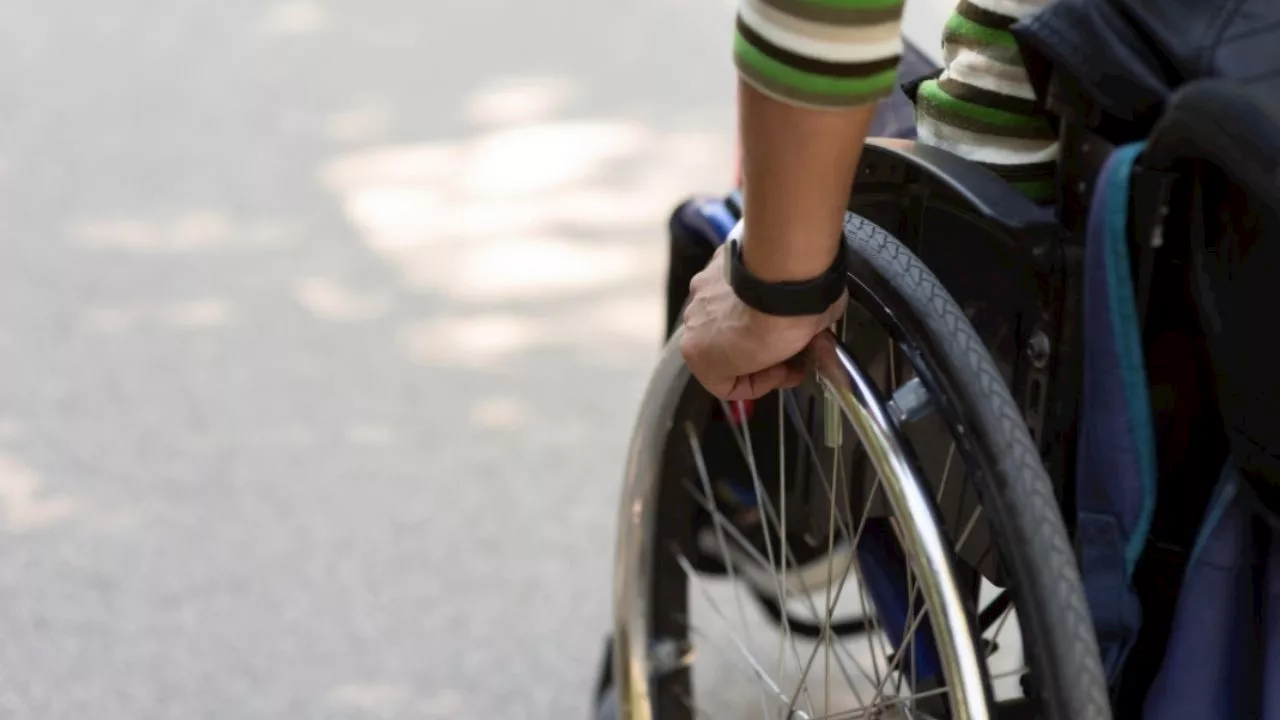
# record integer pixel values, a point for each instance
(834, 544)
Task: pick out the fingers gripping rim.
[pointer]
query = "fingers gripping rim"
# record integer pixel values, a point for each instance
(1019, 490)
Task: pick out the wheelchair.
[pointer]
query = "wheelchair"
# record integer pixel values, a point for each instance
(894, 538)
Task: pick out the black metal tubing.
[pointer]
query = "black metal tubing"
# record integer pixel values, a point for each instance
(907, 176)
(905, 163)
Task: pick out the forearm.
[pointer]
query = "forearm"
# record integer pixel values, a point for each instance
(812, 71)
(798, 168)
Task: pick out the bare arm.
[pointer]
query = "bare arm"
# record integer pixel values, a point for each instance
(798, 169)
(810, 74)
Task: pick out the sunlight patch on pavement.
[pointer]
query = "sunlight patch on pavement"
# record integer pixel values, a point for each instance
(631, 317)
(582, 182)
(202, 313)
(483, 339)
(521, 268)
(614, 330)
(364, 123)
(194, 231)
(23, 506)
(518, 100)
(544, 157)
(329, 300)
(539, 233)
(299, 17)
(496, 413)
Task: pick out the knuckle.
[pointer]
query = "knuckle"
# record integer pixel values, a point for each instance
(688, 349)
(690, 310)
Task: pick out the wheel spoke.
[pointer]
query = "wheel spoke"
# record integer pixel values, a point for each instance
(768, 515)
(758, 487)
(1004, 617)
(717, 522)
(886, 703)
(897, 419)
(831, 543)
(758, 671)
(807, 596)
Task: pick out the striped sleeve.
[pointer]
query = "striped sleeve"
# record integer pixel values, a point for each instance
(820, 53)
(982, 107)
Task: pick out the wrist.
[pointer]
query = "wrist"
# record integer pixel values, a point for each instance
(785, 261)
(810, 295)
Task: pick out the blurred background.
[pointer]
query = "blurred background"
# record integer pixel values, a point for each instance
(323, 326)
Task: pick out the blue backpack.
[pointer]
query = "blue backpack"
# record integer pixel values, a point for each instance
(1198, 80)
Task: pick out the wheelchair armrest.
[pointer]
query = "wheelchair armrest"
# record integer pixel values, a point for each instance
(890, 164)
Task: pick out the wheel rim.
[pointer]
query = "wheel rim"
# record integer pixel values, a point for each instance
(852, 395)
(858, 400)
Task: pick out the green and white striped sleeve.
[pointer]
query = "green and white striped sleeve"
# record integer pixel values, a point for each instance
(820, 53)
(982, 107)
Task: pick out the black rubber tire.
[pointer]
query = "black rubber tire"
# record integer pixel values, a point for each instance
(1011, 481)
(1003, 467)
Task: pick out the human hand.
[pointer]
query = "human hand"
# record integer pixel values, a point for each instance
(737, 352)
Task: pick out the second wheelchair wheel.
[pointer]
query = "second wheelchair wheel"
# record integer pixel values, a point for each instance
(834, 543)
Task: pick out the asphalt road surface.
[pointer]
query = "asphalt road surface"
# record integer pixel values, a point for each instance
(323, 324)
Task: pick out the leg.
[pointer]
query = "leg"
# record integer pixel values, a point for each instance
(982, 106)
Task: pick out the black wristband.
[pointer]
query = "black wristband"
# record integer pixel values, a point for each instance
(789, 298)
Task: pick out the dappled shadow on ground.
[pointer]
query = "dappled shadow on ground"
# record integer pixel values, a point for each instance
(535, 232)
(323, 324)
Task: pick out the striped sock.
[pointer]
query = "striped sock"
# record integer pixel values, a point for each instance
(982, 106)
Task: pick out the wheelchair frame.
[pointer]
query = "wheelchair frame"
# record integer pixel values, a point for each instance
(895, 182)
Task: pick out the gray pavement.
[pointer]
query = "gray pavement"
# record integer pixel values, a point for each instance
(323, 324)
